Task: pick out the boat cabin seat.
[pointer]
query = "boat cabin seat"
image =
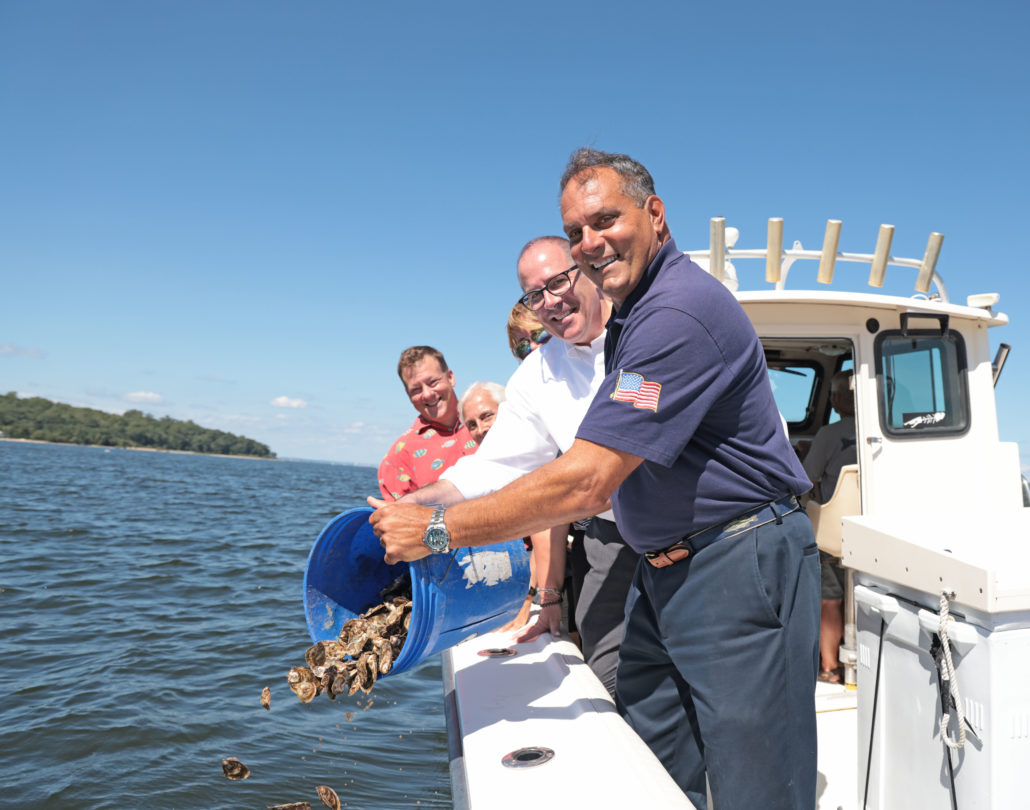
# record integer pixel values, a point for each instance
(826, 518)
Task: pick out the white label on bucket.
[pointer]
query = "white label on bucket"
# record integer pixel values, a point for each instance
(488, 567)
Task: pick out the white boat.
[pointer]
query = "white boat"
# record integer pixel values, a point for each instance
(931, 526)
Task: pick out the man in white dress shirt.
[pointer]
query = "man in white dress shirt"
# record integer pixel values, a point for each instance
(546, 399)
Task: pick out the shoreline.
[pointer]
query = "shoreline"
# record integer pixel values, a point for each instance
(139, 449)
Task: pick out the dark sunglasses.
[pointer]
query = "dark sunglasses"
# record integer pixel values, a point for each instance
(523, 348)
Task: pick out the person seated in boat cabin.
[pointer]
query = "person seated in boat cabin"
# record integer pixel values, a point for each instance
(832, 448)
(437, 438)
(478, 408)
(718, 659)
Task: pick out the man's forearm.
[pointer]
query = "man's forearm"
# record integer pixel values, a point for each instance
(549, 557)
(573, 486)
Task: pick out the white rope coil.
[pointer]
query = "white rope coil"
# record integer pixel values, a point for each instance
(951, 681)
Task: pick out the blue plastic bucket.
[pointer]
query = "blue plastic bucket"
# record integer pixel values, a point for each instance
(454, 596)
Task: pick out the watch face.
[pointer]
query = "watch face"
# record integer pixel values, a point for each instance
(436, 538)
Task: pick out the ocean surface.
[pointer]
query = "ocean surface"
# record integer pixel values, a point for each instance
(145, 600)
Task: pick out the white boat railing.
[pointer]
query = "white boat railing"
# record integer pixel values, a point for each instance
(722, 252)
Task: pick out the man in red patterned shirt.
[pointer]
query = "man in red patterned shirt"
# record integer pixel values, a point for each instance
(437, 438)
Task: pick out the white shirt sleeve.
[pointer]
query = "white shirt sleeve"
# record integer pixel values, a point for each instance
(546, 399)
(518, 443)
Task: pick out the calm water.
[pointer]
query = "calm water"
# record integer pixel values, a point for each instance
(146, 599)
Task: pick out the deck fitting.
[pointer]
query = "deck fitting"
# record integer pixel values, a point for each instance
(497, 652)
(527, 757)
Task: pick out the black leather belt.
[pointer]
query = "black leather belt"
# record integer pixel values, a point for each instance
(751, 519)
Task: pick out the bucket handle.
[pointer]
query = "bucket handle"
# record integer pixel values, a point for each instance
(453, 554)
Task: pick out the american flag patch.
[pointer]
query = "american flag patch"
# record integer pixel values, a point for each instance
(632, 387)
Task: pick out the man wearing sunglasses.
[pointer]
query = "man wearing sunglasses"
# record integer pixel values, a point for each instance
(525, 334)
(718, 660)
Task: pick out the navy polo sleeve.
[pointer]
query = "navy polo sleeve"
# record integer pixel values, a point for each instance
(667, 371)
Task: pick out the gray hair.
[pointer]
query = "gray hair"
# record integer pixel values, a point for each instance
(637, 183)
(493, 389)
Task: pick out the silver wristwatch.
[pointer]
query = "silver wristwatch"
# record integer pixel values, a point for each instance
(436, 538)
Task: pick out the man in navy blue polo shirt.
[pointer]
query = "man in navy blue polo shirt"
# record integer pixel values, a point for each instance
(719, 654)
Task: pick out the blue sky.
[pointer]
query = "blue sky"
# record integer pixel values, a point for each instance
(240, 212)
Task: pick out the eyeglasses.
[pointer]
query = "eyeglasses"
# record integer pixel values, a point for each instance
(524, 347)
(556, 285)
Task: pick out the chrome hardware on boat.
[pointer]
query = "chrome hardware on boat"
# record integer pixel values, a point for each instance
(527, 757)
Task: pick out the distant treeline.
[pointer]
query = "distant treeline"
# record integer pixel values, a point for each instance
(43, 420)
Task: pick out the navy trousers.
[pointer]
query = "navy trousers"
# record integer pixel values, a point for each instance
(717, 666)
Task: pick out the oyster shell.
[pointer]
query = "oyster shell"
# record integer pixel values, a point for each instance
(369, 667)
(266, 698)
(329, 797)
(304, 683)
(299, 675)
(234, 769)
(366, 648)
(324, 653)
(341, 683)
(383, 652)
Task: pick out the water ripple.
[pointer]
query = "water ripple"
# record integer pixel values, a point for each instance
(147, 599)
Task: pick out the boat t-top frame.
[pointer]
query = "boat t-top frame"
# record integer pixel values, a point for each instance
(778, 261)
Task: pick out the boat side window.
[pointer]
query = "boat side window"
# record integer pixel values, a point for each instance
(794, 386)
(921, 380)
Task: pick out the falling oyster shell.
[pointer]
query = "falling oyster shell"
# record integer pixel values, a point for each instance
(367, 646)
(357, 681)
(327, 678)
(306, 691)
(234, 769)
(324, 653)
(329, 797)
(300, 675)
(290, 806)
(266, 698)
(304, 683)
(315, 655)
(339, 685)
(369, 666)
